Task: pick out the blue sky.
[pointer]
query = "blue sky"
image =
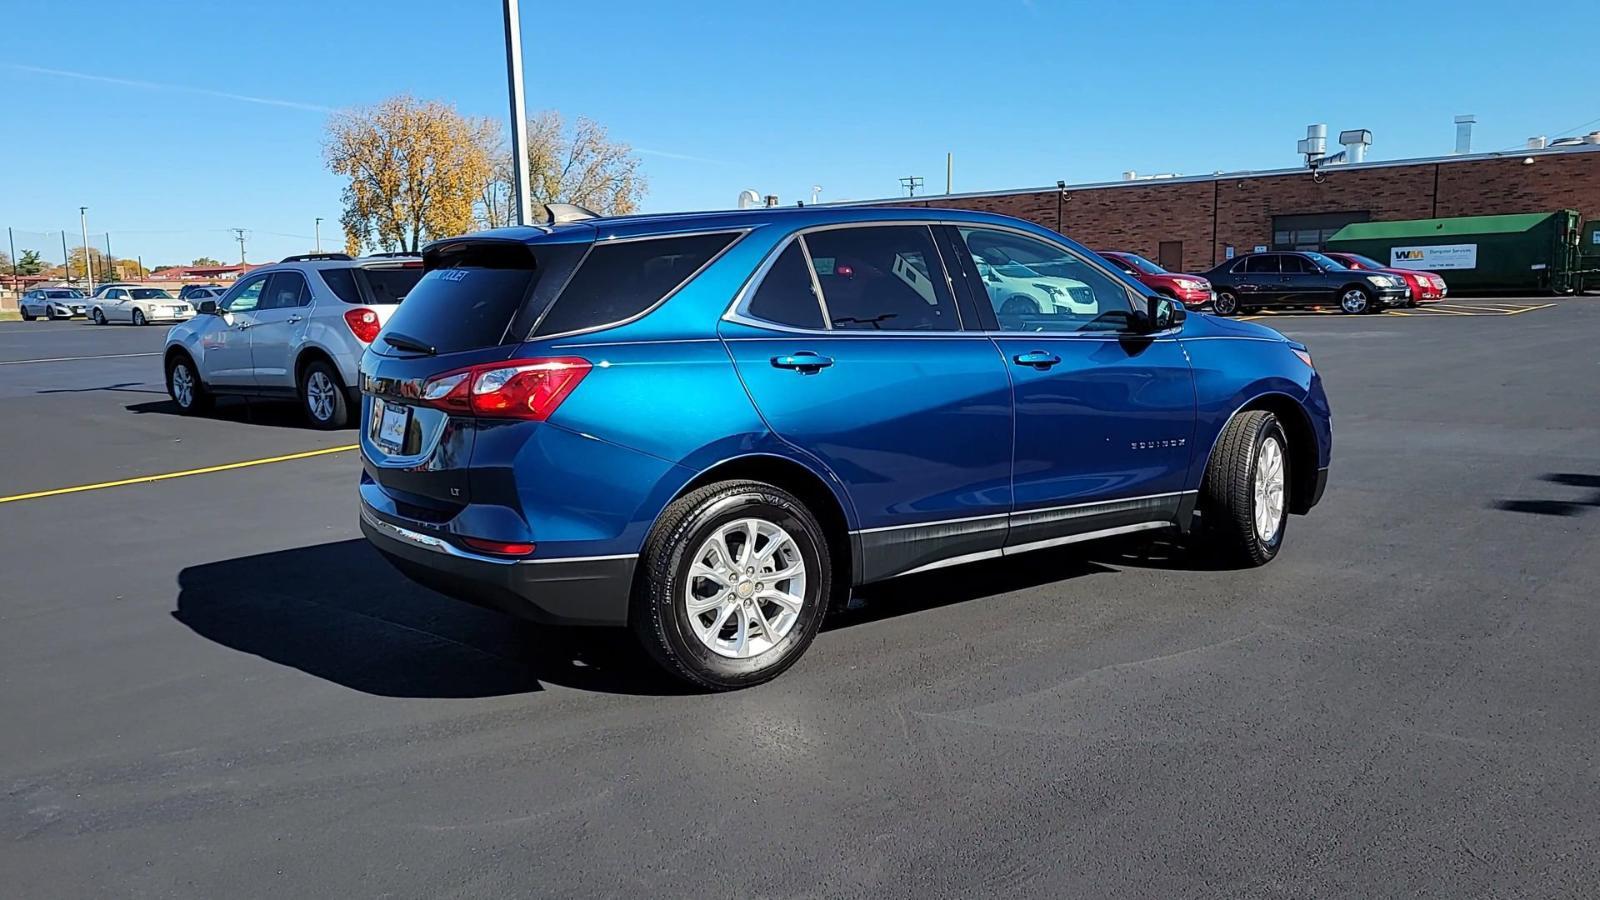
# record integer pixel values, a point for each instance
(196, 117)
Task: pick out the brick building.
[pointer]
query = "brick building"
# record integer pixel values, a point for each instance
(1188, 223)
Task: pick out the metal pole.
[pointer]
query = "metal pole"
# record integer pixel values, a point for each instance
(88, 264)
(16, 284)
(519, 115)
(111, 261)
(66, 260)
(140, 258)
(949, 170)
(319, 234)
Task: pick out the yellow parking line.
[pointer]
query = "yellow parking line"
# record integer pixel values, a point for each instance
(1530, 309)
(1448, 312)
(1396, 312)
(143, 479)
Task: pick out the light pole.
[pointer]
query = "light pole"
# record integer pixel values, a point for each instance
(88, 264)
(319, 234)
(519, 115)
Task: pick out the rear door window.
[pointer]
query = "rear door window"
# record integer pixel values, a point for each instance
(285, 290)
(882, 278)
(618, 281)
(786, 296)
(1261, 265)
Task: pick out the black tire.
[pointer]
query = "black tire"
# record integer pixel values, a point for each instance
(1355, 300)
(1226, 304)
(1227, 500)
(98, 316)
(337, 397)
(138, 317)
(662, 623)
(26, 316)
(200, 399)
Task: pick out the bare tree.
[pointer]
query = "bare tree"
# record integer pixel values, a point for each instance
(578, 164)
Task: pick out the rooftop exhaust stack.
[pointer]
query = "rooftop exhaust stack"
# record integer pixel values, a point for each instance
(1537, 143)
(1130, 175)
(1314, 145)
(748, 198)
(1593, 138)
(1356, 141)
(1464, 133)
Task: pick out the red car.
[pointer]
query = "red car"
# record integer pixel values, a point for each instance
(1426, 287)
(1193, 290)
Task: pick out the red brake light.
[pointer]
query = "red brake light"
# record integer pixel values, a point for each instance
(363, 324)
(498, 548)
(515, 389)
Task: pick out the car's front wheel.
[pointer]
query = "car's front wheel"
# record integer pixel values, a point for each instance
(1355, 300)
(733, 584)
(1226, 304)
(138, 317)
(1244, 496)
(185, 387)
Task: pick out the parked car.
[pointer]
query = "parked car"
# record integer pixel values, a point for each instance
(136, 305)
(194, 293)
(295, 329)
(708, 427)
(1301, 278)
(52, 303)
(1426, 287)
(1193, 290)
(1013, 286)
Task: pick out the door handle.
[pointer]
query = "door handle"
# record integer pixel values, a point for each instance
(292, 319)
(1039, 359)
(241, 326)
(804, 361)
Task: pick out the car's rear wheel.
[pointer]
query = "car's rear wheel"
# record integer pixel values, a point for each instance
(1226, 304)
(185, 387)
(138, 317)
(322, 396)
(1355, 300)
(26, 316)
(732, 586)
(1244, 495)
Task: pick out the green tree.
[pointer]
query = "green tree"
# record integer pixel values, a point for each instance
(30, 262)
(205, 261)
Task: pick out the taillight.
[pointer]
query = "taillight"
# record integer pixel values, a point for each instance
(498, 548)
(516, 389)
(363, 324)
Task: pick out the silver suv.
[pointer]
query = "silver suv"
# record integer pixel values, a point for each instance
(295, 329)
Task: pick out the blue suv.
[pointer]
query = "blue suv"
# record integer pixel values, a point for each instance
(708, 427)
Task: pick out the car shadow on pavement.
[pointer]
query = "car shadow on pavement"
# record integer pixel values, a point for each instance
(1549, 507)
(340, 612)
(244, 410)
(121, 387)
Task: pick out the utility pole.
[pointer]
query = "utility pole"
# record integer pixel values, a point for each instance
(140, 258)
(911, 183)
(949, 170)
(111, 261)
(66, 261)
(238, 234)
(519, 115)
(88, 264)
(13, 241)
(318, 227)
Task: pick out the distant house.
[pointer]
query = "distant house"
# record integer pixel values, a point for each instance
(204, 273)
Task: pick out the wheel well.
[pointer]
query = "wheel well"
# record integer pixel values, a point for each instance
(805, 485)
(307, 357)
(1167, 292)
(174, 352)
(1302, 446)
(1356, 284)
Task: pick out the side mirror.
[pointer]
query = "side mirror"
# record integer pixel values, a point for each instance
(1162, 313)
(208, 307)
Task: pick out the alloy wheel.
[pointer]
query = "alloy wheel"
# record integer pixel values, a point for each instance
(1225, 304)
(319, 396)
(1268, 489)
(183, 385)
(746, 588)
(1354, 301)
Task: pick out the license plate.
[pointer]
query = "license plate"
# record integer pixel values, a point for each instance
(392, 422)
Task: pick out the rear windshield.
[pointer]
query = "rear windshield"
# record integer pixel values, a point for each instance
(385, 286)
(65, 295)
(621, 280)
(150, 294)
(472, 293)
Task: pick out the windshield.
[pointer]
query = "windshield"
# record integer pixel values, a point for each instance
(1363, 262)
(65, 295)
(1327, 262)
(1144, 265)
(150, 294)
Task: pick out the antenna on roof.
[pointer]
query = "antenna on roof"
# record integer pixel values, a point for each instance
(560, 213)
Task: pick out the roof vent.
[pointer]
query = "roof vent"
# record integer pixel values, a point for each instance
(1464, 133)
(1537, 143)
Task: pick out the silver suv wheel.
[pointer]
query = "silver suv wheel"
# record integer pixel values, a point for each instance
(746, 588)
(320, 391)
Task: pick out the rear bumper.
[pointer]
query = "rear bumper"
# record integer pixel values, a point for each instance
(589, 590)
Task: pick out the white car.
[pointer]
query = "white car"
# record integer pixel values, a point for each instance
(52, 303)
(137, 305)
(295, 329)
(1014, 290)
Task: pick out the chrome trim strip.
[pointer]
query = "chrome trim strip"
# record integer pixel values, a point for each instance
(1024, 512)
(439, 545)
(569, 559)
(954, 561)
(929, 523)
(1086, 536)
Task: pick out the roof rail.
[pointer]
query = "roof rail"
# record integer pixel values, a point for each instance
(559, 213)
(389, 254)
(317, 257)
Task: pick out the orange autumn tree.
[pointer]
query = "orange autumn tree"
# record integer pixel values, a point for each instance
(415, 169)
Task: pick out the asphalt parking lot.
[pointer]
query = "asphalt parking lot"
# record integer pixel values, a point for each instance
(212, 688)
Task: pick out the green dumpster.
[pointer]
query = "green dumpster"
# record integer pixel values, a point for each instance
(1522, 253)
(1589, 250)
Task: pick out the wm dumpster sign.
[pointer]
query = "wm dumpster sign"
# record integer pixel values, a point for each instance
(1434, 257)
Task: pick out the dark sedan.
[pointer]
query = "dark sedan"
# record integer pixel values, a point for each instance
(1258, 280)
